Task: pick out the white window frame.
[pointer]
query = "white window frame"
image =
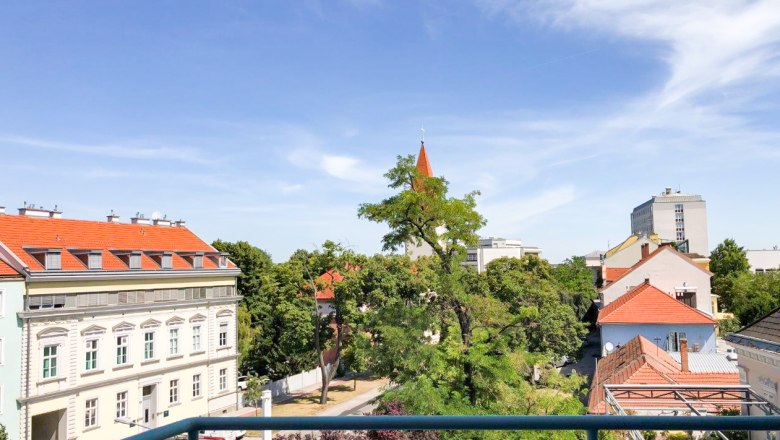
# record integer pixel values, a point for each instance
(2, 303)
(196, 385)
(197, 338)
(174, 342)
(154, 352)
(56, 359)
(222, 343)
(87, 349)
(2, 351)
(126, 346)
(223, 379)
(173, 391)
(91, 409)
(121, 405)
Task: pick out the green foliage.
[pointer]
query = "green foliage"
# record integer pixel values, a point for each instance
(678, 436)
(728, 259)
(254, 388)
(750, 296)
(458, 345)
(575, 285)
(275, 323)
(728, 325)
(3, 432)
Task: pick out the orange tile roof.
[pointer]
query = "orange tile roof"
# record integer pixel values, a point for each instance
(642, 362)
(19, 233)
(613, 273)
(660, 249)
(325, 283)
(6, 270)
(423, 164)
(646, 304)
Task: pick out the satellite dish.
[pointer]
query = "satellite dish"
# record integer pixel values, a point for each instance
(156, 215)
(609, 347)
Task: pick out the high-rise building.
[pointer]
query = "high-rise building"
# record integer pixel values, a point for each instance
(674, 217)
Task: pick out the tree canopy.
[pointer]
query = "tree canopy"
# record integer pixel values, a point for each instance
(728, 259)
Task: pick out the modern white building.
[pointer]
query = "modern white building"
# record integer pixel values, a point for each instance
(492, 248)
(674, 217)
(122, 323)
(763, 260)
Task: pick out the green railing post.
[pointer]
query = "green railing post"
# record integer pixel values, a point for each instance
(593, 434)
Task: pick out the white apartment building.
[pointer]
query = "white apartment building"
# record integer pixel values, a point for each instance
(491, 248)
(123, 324)
(674, 217)
(763, 260)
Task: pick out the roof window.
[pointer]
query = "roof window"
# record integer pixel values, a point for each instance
(131, 258)
(163, 258)
(50, 259)
(93, 258)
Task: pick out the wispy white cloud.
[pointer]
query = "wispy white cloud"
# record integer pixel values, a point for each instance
(183, 154)
(509, 215)
(339, 166)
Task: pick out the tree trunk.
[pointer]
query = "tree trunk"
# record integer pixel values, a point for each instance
(468, 368)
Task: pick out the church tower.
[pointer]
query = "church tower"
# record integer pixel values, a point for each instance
(413, 250)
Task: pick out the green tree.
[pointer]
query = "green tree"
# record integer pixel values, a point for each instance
(254, 389)
(575, 285)
(3, 433)
(728, 259)
(458, 347)
(753, 295)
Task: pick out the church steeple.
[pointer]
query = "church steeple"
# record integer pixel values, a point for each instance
(422, 161)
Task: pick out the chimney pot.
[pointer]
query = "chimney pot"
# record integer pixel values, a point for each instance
(684, 355)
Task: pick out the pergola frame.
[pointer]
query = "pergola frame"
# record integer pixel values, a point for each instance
(697, 400)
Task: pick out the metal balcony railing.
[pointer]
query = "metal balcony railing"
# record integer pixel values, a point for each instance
(590, 424)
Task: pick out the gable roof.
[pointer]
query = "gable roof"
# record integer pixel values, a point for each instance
(646, 304)
(422, 162)
(20, 233)
(6, 270)
(629, 241)
(642, 362)
(762, 334)
(613, 273)
(659, 250)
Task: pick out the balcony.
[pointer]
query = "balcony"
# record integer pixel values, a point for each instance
(591, 425)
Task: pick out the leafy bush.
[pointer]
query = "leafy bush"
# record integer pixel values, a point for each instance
(678, 436)
(729, 325)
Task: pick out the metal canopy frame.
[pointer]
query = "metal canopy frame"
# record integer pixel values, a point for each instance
(685, 400)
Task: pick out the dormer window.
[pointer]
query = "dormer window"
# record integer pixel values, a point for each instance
(220, 259)
(93, 259)
(223, 261)
(197, 261)
(163, 258)
(50, 259)
(131, 258)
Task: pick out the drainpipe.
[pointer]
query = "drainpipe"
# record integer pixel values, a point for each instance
(27, 418)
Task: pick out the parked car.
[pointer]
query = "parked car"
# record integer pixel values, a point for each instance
(731, 354)
(242, 383)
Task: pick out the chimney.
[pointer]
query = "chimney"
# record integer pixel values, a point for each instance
(162, 222)
(139, 219)
(112, 218)
(2, 210)
(645, 250)
(684, 355)
(32, 211)
(180, 224)
(668, 190)
(55, 213)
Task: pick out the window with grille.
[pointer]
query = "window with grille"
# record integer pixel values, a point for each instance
(91, 414)
(196, 338)
(166, 261)
(148, 345)
(91, 354)
(122, 342)
(196, 385)
(50, 361)
(223, 379)
(173, 396)
(173, 341)
(53, 260)
(121, 405)
(95, 260)
(134, 261)
(223, 334)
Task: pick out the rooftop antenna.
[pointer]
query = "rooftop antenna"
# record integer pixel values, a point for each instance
(422, 134)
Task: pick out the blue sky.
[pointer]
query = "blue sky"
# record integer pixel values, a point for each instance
(271, 121)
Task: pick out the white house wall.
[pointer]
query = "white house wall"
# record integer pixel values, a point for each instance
(701, 335)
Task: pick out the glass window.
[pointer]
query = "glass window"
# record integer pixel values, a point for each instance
(53, 261)
(90, 415)
(223, 332)
(50, 361)
(121, 349)
(222, 379)
(91, 354)
(173, 341)
(196, 338)
(134, 261)
(149, 345)
(196, 385)
(121, 405)
(173, 396)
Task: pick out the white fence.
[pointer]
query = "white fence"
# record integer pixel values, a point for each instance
(291, 384)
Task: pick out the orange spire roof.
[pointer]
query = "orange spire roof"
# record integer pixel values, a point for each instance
(422, 162)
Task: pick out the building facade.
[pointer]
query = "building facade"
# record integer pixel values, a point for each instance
(758, 351)
(763, 260)
(124, 326)
(489, 249)
(671, 272)
(11, 301)
(674, 217)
